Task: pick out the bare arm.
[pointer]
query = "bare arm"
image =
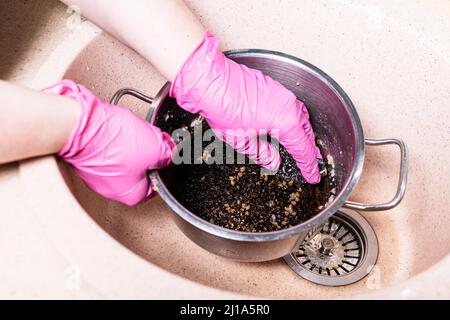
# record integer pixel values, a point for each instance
(165, 32)
(33, 123)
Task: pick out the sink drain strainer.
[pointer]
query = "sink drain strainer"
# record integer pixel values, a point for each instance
(343, 251)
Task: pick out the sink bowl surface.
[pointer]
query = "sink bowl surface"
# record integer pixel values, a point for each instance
(395, 71)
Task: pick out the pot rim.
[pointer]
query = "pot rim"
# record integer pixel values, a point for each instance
(322, 216)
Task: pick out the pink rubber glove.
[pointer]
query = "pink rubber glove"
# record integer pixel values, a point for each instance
(231, 96)
(111, 149)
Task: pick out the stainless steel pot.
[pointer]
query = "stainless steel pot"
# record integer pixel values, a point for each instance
(335, 121)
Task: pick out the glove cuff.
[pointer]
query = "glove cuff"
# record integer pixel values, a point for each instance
(204, 57)
(70, 89)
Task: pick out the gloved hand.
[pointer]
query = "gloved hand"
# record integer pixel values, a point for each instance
(232, 96)
(111, 149)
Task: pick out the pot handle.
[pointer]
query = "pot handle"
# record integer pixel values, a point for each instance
(401, 189)
(135, 93)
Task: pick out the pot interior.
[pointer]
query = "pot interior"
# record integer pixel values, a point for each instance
(332, 115)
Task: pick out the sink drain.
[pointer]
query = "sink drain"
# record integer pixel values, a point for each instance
(343, 251)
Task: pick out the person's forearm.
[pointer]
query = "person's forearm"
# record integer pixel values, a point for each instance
(33, 123)
(163, 31)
